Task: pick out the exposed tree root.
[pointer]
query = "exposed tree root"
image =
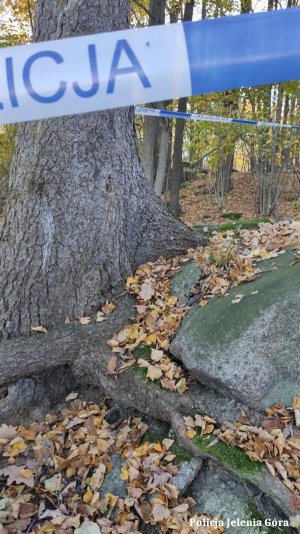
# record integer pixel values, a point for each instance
(39, 370)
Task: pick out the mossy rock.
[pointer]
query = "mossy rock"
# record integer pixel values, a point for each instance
(249, 350)
(216, 491)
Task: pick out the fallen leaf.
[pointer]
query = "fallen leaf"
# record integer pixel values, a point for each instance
(191, 433)
(41, 329)
(7, 431)
(71, 396)
(84, 320)
(146, 292)
(17, 474)
(108, 308)
(112, 365)
(88, 527)
(54, 484)
(154, 373)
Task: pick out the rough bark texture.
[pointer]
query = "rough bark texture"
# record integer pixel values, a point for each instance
(80, 214)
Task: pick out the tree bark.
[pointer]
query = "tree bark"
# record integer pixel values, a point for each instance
(80, 214)
(164, 148)
(156, 16)
(179, 131)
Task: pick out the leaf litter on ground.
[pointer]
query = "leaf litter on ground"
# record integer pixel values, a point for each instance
(52, 472)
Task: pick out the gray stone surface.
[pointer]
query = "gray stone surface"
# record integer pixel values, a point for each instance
(186, 474)
(249, 350)
(215, 491)
(183, 282)
(112, 482)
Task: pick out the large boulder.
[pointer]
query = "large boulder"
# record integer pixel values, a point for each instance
(215, 492)
(249, 350)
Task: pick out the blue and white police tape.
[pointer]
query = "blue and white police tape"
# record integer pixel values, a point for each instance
(122, 68)
(154, 112)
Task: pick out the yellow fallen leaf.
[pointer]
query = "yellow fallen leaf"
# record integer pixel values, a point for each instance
(18, 446)
(191, 433)
(49, 527)
(130, 281)
(208, 429)
(124, 474)
(157, 447)
(151, 339)
(203, 303)
(88, 496)
(171, 301)
(132, 332)
(26, 473)
(70, 472)
(296, 403)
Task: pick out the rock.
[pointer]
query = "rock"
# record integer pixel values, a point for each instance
(216, 491)
(112, 482)
(186, 474)
(184, 281)
(250, 350)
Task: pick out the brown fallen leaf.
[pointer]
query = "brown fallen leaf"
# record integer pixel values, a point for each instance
(108, 308)
(112, 366)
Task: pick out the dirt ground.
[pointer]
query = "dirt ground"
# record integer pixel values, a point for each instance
(199, 204)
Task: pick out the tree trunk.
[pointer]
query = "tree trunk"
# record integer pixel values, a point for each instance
(178, 139)
(164, 148)
(80, 214)
(157, 16)
(177, 159)
(223, 179)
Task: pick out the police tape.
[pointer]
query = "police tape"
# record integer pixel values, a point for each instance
(154, 112)
(109, 70)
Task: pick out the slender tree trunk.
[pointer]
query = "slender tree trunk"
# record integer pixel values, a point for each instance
(164, 148)
(177, 159)
(179, 131)
(80, 214)
(150, 137)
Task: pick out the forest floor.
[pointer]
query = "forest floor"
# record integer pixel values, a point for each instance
(88, 470)
(199, 203)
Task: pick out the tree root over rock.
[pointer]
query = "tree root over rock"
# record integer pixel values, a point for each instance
(37, 372)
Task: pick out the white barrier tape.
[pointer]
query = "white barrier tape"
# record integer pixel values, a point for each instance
(123, 68)
(153, 112)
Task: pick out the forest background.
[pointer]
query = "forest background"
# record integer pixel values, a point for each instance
(194, 165)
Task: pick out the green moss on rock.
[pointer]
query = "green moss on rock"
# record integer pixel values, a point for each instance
(229, 456)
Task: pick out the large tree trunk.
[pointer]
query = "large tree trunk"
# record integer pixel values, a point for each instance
(80, 214)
